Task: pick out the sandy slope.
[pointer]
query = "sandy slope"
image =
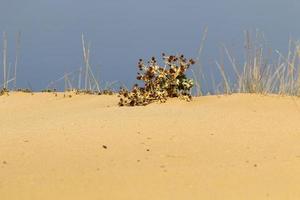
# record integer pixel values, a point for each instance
(229, 147)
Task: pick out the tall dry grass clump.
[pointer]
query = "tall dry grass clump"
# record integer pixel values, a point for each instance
(260, 74)
(9, 73)
(263, 71)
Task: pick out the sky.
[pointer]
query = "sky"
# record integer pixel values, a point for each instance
(122, 31)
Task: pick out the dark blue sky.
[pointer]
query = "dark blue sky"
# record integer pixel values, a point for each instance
(122, 31)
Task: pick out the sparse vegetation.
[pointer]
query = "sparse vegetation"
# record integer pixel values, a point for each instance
(49, 90)
(90, 92)
(261, 71)
(160, 83)
(25, 90)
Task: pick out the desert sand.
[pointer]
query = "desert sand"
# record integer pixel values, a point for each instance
(240, 146)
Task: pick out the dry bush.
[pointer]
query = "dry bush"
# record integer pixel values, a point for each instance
(4, 91)
(160, 82)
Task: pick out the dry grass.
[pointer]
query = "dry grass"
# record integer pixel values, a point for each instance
(7, 67)
(261, 72)
(73, 80)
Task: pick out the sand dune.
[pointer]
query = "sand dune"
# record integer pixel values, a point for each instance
(86, 147)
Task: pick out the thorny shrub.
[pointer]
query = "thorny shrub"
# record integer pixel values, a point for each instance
(160, 83)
